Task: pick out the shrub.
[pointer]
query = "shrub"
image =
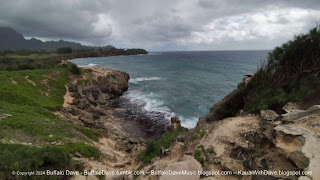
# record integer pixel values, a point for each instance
(210, 150)
(64, 50)
(153, 149)
(291, 73)
(197, 156)
(201, 147)
(74, 69)
(17, 157)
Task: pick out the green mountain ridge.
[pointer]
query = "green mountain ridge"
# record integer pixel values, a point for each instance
(10, 39)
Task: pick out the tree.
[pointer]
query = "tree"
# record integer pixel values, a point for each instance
(64, 50)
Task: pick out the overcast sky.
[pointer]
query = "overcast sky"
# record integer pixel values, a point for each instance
(164, 24)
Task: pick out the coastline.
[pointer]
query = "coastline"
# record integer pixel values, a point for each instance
(272, 141)
(137, 125)
(118, 52)
(91, 106)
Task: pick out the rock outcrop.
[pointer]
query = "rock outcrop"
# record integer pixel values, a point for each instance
(175, 125)
(269, 115)
(288, 142)
(185, 163)
(90, 96)
(272, 143)
(88, 105)
(245, 80)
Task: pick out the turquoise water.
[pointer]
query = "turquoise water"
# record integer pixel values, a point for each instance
(183, 84)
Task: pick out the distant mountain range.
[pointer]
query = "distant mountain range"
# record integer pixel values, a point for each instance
(12, 40)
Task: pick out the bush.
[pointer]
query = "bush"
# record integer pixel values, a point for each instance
(210, 150)
(17, 157)
(8, 64)
(74, 69)
(290, 74)
(153, 149)
(197, 156)
(64, 50)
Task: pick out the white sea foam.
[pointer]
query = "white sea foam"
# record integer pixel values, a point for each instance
(91, 64)
(152, 105)
(88, 65)
(137, 80)
(188, 122)
(148, 103)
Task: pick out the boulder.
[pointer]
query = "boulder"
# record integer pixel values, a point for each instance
(290, 106)
(230, 164)
(292, 129)
(186, 163)
(299, 115)
(269, 115)
(134, 140)
(175, 125)
(175, 120)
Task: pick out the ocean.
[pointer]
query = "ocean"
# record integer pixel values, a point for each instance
(184, 84)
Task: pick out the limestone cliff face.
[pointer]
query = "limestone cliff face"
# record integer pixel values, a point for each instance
(87, 103)
(90, 93)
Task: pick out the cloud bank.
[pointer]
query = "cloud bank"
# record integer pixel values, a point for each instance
(164, 25)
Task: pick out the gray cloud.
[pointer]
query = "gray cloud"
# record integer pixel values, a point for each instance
(165, 24)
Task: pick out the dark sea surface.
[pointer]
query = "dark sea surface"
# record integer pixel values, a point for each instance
(184, 84)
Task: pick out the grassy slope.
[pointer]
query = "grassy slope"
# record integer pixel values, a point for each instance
(33, 120)
(30, 56)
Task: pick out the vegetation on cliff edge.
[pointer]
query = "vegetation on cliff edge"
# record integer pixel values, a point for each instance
(291, 73)
(154, 148)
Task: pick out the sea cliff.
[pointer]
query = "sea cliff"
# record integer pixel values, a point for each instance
(267, 128)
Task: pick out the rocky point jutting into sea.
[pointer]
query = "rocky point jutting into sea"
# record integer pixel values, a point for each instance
(87, 103)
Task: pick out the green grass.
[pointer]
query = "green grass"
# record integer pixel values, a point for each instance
(30, 56)
(90, 133)
(154, 148)
(33, 121)
(8, 64)
(197, 156)
(49, 81)
(31, 106)
(17, 157)
(82, 148)
(197, 133)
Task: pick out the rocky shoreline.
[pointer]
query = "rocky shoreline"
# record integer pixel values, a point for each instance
(274, 142)
(91, 100)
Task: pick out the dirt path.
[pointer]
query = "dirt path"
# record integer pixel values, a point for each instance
(26, 77)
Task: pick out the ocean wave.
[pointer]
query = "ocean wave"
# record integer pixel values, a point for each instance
(88, 65)
(150, 105)
(136, 80)
(91, 64)
(190, 122)
(154, 53)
